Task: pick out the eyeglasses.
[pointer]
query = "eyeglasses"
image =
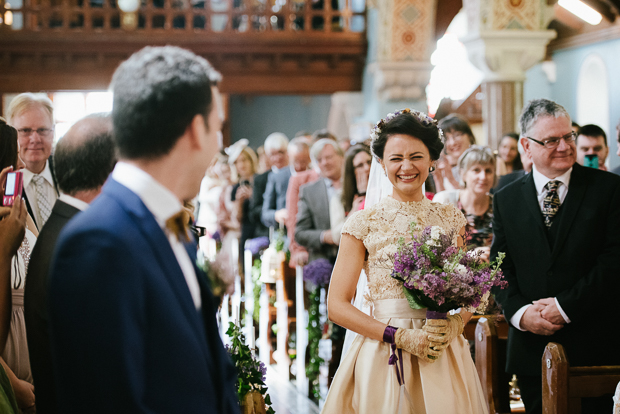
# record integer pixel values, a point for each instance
(553, 142)
(27, 132)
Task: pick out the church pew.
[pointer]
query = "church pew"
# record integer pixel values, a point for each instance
(490, 360)
(564, 386)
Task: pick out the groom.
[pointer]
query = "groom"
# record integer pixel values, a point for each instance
(559, 228)
(133, 326)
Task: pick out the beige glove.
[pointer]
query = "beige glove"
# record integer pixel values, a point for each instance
(444, 328)
(418, 343)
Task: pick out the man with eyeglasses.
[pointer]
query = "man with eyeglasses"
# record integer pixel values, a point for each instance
(559, 229)
(33, 117)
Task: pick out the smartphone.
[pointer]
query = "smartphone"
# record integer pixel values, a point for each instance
(13, 187)
(590, 160)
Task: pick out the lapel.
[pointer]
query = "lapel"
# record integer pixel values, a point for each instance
(323, 203)
(530, 199)
(162, 251)
(572, 202)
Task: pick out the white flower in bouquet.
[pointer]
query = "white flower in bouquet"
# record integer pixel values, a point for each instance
(435, 236)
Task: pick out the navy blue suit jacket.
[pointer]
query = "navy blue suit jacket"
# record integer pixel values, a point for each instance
(126, 336)
(275, 196)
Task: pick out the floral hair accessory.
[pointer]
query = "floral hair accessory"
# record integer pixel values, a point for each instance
(420, 116)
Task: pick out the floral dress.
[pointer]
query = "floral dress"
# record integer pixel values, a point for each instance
(364, 382)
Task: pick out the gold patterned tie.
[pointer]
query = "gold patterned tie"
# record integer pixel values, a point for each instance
(551, 203)
(179, 225)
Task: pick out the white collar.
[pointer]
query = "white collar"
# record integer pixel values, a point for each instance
(540, 180)
(74, 202)
(46, 174)
(160, 201)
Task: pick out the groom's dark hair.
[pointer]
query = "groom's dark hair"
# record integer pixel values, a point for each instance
(157, 93)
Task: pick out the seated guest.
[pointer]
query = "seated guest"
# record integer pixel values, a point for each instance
(592, 142)
(15, 354)
(244, 163)
(477, 172)
(33, 117)
(274, 210)
(458, 137)
(276, 151)
(313, 227)
(509, 152)
(83, 159)
(504, 180)
(356, 170)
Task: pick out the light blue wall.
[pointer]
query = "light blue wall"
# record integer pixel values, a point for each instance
(256, 117)
(564, 89)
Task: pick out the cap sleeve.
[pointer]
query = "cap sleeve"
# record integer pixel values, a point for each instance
(356, 225)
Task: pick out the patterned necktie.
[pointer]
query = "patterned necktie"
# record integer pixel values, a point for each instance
(179, 225)
(45, 209)
(551, 203)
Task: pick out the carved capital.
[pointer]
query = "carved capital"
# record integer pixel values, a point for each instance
(505, 55)
(400, 81)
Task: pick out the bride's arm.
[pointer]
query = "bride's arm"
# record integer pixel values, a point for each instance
(346, 273)
(460, 243)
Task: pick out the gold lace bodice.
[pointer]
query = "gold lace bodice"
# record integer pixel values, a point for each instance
(380, 227)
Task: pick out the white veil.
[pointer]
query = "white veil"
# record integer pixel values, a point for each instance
(379, 187)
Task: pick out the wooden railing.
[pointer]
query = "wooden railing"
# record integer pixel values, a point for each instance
(177, 16)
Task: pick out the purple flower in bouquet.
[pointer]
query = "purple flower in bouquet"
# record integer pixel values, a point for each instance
(257, 244)
(318, 272)
(217, 236)
(440, 276)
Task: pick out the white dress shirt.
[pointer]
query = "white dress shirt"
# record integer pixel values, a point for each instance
(31, 191)
(540, 181)
(163, 204)
(72, 201)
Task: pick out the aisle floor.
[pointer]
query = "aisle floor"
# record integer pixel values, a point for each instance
(285, 398)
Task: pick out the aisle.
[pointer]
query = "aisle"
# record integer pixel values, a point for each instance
(285, 398)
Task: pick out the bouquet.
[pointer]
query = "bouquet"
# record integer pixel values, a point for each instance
(439, 276)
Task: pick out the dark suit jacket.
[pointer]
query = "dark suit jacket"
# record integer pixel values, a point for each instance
(256, 204)
(275, 196)
(126, 336)
(313, 219)
(36, 307)
(581, 269)
(28, 206)
(504, 180)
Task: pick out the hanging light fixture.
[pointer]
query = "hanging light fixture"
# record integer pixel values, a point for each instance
(582, 10)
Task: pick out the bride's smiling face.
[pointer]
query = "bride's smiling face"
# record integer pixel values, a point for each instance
(406, 161)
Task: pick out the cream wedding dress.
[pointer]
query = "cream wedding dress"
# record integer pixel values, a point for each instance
(364, 382)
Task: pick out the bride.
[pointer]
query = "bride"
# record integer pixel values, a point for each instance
(434, 372)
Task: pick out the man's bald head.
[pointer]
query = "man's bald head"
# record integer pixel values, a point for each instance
(86, 155)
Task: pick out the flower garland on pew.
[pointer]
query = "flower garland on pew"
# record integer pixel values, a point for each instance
(251, 388)
(318, 273)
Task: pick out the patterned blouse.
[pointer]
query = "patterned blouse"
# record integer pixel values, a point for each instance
(479, 228)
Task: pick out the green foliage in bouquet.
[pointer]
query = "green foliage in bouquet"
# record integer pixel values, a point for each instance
(315, 334)
(250, 371)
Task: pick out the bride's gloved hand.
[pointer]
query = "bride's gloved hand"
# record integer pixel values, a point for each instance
(419, 343)
(448, 329)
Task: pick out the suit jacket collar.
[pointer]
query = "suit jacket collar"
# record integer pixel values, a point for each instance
(151, 231)
(64, 210)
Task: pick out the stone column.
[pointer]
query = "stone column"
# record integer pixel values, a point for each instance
(401, 40)
(505, 38)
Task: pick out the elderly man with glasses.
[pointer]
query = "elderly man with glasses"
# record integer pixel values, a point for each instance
(559, 229)
(33, 117)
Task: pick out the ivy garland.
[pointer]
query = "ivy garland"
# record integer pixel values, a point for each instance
(250, 372)
(315, 332)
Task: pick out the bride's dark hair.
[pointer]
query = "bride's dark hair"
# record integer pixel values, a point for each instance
(409, 124)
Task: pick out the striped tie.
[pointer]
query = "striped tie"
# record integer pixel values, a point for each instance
(551, 203)
(42, 202)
